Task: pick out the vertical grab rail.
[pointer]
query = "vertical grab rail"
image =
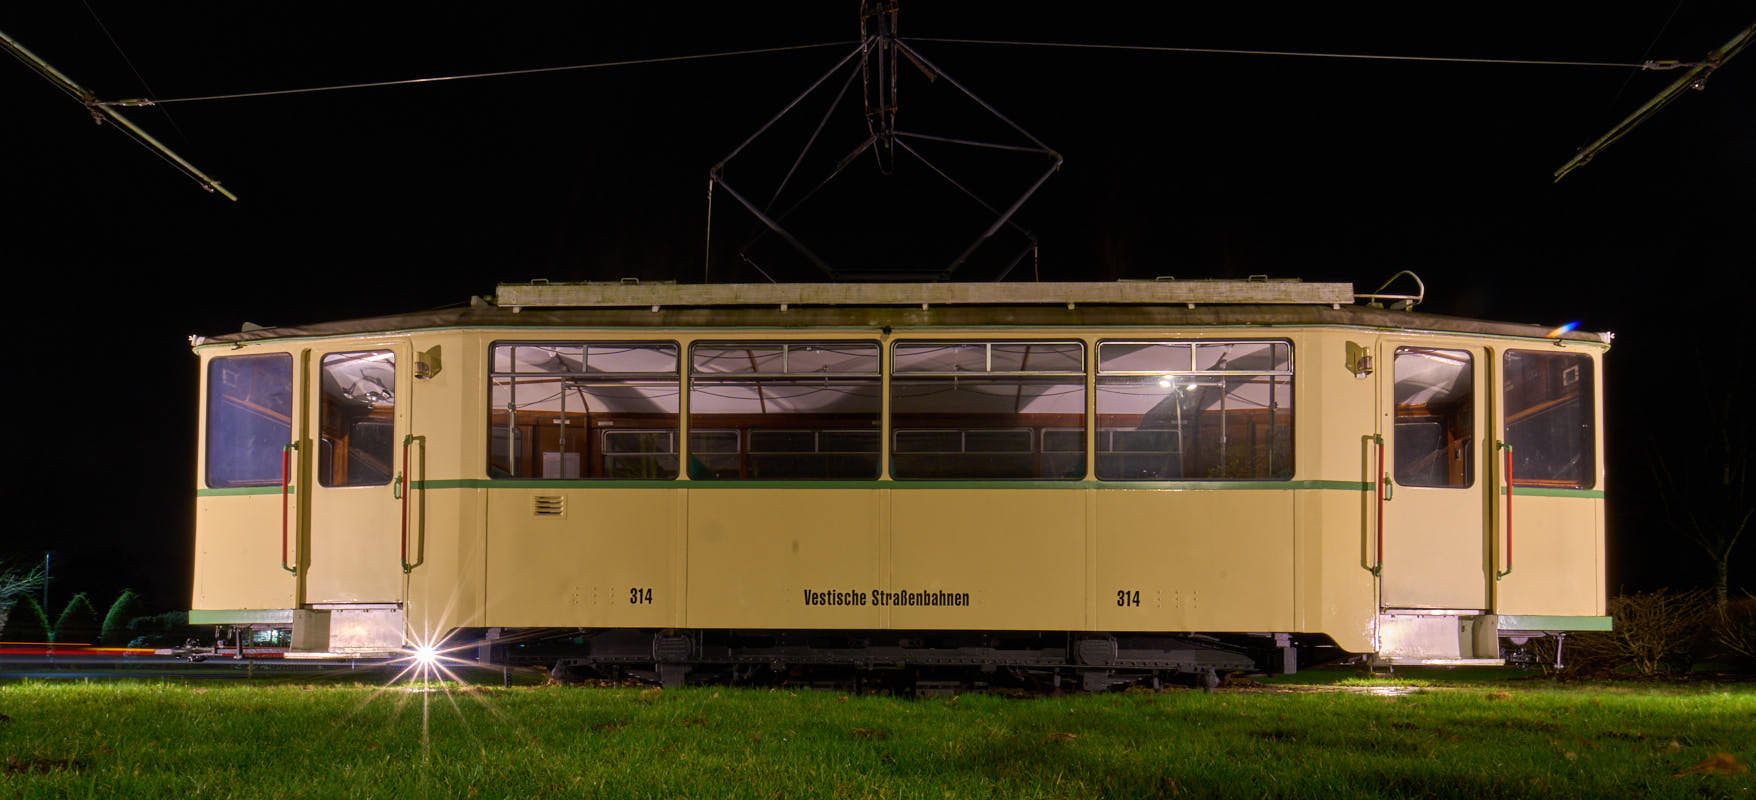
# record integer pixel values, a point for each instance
(1506, 472)
(402, 492)
(286, 458)
(1377, 567)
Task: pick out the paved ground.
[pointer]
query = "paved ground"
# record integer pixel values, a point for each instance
(110, 666)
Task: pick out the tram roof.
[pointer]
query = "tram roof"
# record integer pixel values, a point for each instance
(1160, 303)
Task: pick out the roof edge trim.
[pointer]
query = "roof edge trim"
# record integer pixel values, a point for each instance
(542, 294)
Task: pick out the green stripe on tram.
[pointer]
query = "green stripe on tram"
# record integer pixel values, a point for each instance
(671, 483)
(1533, 491)
(1538, 622)
(240, 490)
(1260, 486)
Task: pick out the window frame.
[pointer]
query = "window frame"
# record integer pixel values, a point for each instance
(1469, 456)
(1591, 396)
(675, 375)
(1081, 377)
(207, 459)
(786, 346)
(326, 476)
(745, 451)
(1098, 374)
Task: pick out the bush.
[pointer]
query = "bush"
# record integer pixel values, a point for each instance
(115, 630)
(169, 629)
(1736, 632)
(78, 623)
(1660, 631)
(159, 623)
(26, 623)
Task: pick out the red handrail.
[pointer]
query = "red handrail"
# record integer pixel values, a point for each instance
(286, 459)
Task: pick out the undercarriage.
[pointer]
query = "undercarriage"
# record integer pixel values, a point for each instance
(907, 660)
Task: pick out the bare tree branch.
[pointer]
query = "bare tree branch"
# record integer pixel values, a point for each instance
(14, 582)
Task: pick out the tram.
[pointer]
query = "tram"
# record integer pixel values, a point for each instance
(1095, 482)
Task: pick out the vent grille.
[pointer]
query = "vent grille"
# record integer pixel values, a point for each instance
(548, 505)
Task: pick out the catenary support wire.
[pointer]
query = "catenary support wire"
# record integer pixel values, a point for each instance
(441, 78)
(101, 113)
(1695, 78)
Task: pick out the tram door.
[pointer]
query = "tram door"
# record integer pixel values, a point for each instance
(356, 415)
(1432, 415)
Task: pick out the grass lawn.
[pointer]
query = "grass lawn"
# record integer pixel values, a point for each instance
(1399, 737)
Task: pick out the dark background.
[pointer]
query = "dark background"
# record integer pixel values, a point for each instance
(382, 200)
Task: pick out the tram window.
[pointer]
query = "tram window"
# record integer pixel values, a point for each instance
(981, 409)
(1550, 420)
(784, 410)
(356, 419)
(762, 441)
(583, 410)
(1195, 410)
(848, 441)
(929, 441)
(1433, 441)
(1063, 450)
(1146, 356)
(713, 453)
(1243, 357)
(249, 419)
(636, 455)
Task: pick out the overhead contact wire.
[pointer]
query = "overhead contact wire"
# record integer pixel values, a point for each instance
(145, 103)
(1647, 65)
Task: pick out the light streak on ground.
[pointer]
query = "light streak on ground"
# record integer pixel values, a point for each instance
(56, 648)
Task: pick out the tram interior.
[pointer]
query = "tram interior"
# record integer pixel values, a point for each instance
(959, 410)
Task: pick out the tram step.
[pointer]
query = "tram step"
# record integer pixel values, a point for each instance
(1443, 662)
(1438, 639)
(343, 631)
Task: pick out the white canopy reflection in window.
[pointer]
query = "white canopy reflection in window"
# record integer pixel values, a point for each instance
(791, 410)
(568, 410)
(1194, 410)
(982, 409)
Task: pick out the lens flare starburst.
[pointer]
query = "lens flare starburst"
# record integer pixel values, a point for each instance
(426, 662)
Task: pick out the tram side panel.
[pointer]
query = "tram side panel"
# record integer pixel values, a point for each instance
(247, 406)
(1557, 528)
(1336, 591)
(1557, 558)
(1195, 560)
(561, 558)
(446, 512)
(238, 554)
(990, 559)
(784, 558)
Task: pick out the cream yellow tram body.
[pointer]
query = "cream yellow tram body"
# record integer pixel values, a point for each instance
(1103, 479)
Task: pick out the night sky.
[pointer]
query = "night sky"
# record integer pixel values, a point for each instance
(372, 201)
